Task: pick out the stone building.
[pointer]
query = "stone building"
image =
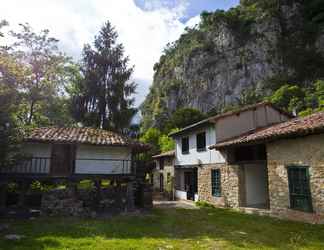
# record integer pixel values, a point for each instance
(196, 163)
(277, 171)
(163, 173)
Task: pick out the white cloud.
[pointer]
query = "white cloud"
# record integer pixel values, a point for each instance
(144, 33)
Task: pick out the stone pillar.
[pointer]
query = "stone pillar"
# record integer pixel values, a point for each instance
(72, 189)
(130, 196)
(97, 184)
(23, 188)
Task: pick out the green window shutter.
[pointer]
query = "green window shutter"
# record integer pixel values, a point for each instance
(216, 182)
(299, 188)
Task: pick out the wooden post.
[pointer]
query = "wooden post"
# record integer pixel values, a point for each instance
(130, 196)
(23, 188)
(97, 184)
(3, 195)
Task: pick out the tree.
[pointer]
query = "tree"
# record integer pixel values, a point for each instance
(185, 116)
(152, 136)
(166, 143)
(9, 132)
(44, 74)
(105, 97)
(289, 97)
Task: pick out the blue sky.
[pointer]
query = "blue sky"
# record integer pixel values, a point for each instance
(194, 7)
(144, 26)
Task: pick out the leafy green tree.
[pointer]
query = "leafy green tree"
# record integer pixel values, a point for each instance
(105, 97)
(152, 136)
(44, 74)
(166, 143)
(289, 97)
(185, 116)
(319, 92)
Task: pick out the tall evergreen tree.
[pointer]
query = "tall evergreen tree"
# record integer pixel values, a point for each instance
(105, 91)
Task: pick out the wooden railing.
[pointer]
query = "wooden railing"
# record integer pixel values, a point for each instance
(35, 165)
(42, 165)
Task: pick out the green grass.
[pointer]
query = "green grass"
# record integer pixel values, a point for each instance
(206, 228)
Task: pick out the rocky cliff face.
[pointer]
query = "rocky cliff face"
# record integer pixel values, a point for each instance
(248, 49)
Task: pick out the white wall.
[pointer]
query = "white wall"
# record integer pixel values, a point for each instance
(86, 162)
(182, 195)
(255, 184)
(194, 157)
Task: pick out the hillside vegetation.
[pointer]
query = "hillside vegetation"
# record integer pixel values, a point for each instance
(241, 56)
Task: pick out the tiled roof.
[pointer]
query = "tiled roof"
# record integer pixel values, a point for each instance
(213, 119)
(311, 124)
(82, 136)
(165, 154)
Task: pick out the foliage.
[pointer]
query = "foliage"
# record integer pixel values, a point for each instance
(289, 97)
(44, 76)
(185, 116)
(204, 204)
(166, 143)
(152, 136)
(303, 101)
(104, 98)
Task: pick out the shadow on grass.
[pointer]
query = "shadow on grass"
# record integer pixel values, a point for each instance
(218, 225)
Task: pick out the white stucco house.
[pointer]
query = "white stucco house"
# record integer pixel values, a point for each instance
(192, 151)
(52, 152)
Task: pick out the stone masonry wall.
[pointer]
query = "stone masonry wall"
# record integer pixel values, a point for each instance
(168, 169)
(72, 201)
(307, 151)
(230, 193)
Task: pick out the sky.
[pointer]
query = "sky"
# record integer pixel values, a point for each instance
(144, 26)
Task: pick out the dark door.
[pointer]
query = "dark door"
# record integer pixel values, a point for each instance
(161, 183)
(299, 188)
(189, 185)
(62, 160)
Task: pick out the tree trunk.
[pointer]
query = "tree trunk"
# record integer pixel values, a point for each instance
(31, 113)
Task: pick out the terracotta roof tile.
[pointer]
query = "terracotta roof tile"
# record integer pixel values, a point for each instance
(311, 124)
(83, 136)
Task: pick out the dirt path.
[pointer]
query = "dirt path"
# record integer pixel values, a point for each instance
(175, 204)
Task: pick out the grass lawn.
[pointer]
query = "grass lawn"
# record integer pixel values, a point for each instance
(206, 228)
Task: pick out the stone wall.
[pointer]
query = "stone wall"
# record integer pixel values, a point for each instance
(168, 169)
(230, 192)
(308, 151)
(71, 201)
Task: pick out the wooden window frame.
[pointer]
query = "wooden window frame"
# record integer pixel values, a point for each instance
(294, 196)
(201, 149)
(161, 163)
(216, 183)
(184, 152)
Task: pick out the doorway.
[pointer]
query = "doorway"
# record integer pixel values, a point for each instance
(256, 185)
(161, 183)
(190, 184)
(62, 159)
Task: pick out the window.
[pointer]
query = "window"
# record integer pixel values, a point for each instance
(185, 145)
(161, 163)
(299, 188)
(216, 182)
(201, 141)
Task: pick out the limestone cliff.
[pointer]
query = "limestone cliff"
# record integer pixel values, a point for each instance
(254, 47)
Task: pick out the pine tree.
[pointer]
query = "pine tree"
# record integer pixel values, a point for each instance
(105, 90)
